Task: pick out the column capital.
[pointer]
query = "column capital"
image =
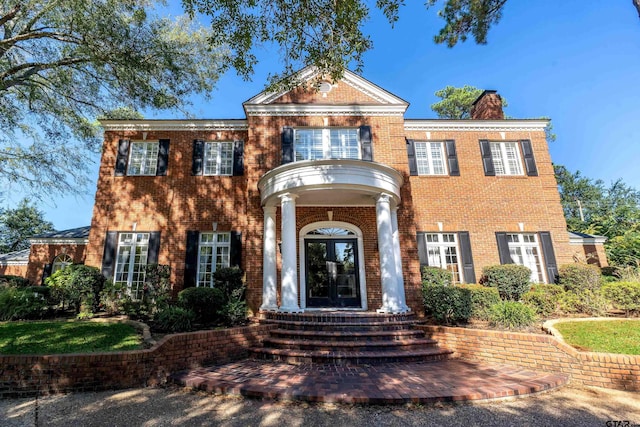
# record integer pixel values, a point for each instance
(287, 197)
(384, 198)
(269, 209)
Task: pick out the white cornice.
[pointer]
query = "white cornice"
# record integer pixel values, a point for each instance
(180, 125)
(59, 241)
(324, 110)
(475, 125)
(7, 263)
(592, 240)
(266, 97)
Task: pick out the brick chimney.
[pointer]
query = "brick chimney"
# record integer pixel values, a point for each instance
(488, 106)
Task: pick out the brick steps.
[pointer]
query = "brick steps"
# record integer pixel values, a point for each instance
(346, 338)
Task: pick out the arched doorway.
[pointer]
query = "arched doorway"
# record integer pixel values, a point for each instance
(331, 266)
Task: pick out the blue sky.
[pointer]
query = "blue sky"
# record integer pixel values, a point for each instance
(574, 61)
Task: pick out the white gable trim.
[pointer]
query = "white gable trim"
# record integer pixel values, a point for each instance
(324, 110)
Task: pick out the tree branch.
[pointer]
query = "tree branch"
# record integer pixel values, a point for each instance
(10, 15)
(33, 68)
(636, 3)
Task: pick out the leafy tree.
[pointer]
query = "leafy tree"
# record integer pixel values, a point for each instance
(17, 225)
(578, 192)
(65, 62)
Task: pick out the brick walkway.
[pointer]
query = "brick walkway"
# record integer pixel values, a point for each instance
(393, 383)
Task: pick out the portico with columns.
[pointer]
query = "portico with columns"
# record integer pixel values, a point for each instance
(330, 184)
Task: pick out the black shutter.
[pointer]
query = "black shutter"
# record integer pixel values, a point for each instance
(365, 143)
(549, 256)
(123, 156)
(154, 247)
(503, 248)
(287, 145)
(238, 158)
(487, 161)
(236, 249)
(46, 272)
(191, 259)
(452, 158)
(411, 154)
(467, 257)
(422, 250)
(198, 153)
(163, 157)
(529, 160)
(109, 255)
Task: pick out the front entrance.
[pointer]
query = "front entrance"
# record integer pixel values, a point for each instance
(332, 273)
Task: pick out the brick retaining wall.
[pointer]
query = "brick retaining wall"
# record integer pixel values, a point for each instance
(541, 352)
(23, 375)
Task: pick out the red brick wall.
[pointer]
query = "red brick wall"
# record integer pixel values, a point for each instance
(26, 375)
(13, 270)
(541, 352)
(42, 254)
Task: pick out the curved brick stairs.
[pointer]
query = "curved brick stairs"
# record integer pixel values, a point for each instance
(346, 338)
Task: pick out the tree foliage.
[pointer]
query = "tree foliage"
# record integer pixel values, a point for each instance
(17, 225)
(65, 62)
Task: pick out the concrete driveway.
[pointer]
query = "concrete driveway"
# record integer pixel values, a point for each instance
(565, 407)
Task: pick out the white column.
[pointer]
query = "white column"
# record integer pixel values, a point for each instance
(398, 257)
(388, 275)
(289, 259)
(269, 275)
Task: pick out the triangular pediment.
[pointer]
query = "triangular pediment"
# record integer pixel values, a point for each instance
(352, 94)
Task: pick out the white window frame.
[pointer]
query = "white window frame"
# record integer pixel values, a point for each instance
(147, 165)
(326, 147)
(502, 164)
(60, 262)
(529, 247)
(134, 241)
(215, 241)
(214, 153)
(441, 246)
(425, 160)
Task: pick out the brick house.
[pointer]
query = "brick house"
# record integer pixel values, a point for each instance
(326, 198)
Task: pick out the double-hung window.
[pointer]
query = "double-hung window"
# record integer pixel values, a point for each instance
(430, 158)
(442, 251)
(218, 158)
(143, 158)
(131, 262)
(524, 250)
(213, 253)
(328, 143)
(506, 158)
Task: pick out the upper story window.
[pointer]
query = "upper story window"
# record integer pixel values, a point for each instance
(214, 251)
(328, 143)
(430, 158)
(218, 158)
(504, 158)
(143, 158)
(523, 249)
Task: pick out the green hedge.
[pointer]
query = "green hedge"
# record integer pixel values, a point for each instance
(436, 276)
(9, 281)
(583, 302)
(623, 295)
(511, 315)
(22, 304)
(205, 303)
(482, 298)
(579, 277)
(543, 298)
(447, 304)
(511, 280)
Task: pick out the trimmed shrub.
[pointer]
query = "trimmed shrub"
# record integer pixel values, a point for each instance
(114, 298)
(228, 280)
(9, 281)
(434, 276)
(157, 287)
(78, 286)
(482, 298)
(543, 298)
(578, 277)
(204, 302)
(511, 315)
(447, 304)
(582, 302)
(174, 319)
(21, 303)
(511, 280)
(623, 295)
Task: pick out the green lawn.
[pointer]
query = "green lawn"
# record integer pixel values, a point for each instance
(59, 337)
(605, 336)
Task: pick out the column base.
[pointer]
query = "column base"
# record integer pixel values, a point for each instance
(393, 310)
(290, 310)
(268, 308)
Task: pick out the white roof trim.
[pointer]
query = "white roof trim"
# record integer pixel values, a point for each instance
(593, 240)
(350, 78)
(181, 125)
(7, 263)
(59, 241)
(475, 125)
(324, 110)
